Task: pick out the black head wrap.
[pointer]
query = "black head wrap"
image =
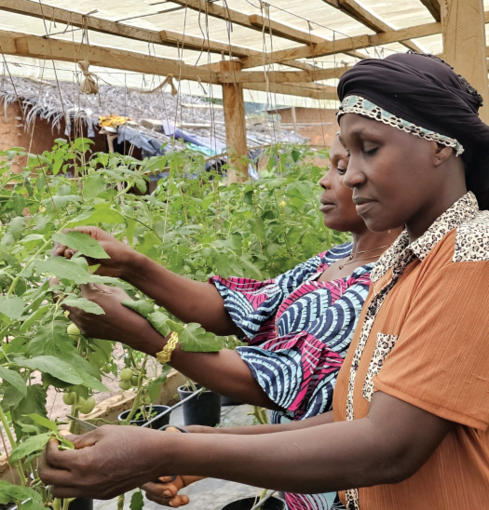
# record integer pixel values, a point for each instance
(427, 92)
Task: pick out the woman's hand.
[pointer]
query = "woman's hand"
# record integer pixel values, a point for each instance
(166, 492)
(119, 322)
(122, 257)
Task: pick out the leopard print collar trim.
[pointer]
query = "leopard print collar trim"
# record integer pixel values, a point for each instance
(464, 209)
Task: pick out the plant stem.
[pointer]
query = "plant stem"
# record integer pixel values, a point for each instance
(12, 442)
(120, 502)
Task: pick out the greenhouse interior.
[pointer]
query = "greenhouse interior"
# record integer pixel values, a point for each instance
(169, 172)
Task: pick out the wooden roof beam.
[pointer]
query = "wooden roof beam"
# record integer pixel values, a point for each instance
(166, 37)
(25, 45)
(346, 44)
(32, 46)
(312, 90)
(281, 76)
(434, 7)
(368, 18)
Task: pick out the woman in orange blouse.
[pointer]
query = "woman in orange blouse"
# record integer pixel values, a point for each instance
(410, 413)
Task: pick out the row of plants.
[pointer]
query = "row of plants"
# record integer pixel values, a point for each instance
(193, 223)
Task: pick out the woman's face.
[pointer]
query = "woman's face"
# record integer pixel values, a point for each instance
(391, 172)
(337, 206)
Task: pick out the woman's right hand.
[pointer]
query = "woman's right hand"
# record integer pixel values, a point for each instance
(122, 256)
(166, 493)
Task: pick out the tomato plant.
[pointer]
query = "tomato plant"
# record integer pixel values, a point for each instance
(193, 223)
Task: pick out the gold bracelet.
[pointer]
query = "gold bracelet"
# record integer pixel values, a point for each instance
(165, 355)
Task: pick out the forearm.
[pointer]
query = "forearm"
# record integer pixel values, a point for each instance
(314, 460)
(187, 299)
(223, 372)
(253, 430)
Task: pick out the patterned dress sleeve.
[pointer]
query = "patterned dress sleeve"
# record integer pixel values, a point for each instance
(253, 304)
(298, 370)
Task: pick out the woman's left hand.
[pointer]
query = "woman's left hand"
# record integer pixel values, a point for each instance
(119, 322)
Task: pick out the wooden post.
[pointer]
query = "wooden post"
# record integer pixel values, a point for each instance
(234, 115)
(464, 44)
(294, 118)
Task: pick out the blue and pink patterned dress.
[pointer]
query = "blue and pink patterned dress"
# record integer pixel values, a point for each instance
(298, 331)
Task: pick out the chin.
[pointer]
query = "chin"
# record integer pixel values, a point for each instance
(378, 224)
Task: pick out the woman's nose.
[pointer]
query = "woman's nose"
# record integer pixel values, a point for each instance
(354, 175)
(324, 181)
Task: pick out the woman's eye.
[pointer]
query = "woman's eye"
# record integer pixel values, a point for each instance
(341, 171)
(370, 151)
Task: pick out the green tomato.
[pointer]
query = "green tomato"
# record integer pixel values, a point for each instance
(87, 406)
(125, 385)
(134, 380)
(69, 398)
(126, 374)
(73, 330)
(107, 368)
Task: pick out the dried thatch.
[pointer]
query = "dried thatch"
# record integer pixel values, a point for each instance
(56, 102)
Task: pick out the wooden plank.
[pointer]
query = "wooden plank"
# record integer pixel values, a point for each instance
(200, 44)
(344, 45)
(312, 90)
(235, 118)
(281, 76)
(434, 7)
(283, 30)
(370, 20)
(464, 44)
(24, 45)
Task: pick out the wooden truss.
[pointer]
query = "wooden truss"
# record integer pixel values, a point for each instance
(456, 20)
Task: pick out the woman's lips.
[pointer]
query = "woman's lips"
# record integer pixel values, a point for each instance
(365, 206)
(326, 206)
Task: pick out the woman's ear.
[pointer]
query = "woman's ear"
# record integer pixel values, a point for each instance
(441, 153)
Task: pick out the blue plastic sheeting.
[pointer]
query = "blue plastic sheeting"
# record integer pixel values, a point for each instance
(148, 145)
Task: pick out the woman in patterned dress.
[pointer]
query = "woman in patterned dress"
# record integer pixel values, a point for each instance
(297, 326)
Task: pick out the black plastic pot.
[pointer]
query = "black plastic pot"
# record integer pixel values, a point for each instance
(155, 423)
(81, 504)
(203, 409)
(272, 503)
(229, 401)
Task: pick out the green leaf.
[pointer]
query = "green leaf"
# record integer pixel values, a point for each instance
(14, 379)
(137, 501)
(194, 338)
(83, 243)
(85, 305)
(93, 186)
(11, 306)
(52, 341)
(32, 445)
(158, 321)
(44, 422)
(33, 318)
(62, 268)
(54, 366)
(144, 308)
(9, 493)
(35, 402)
(99, 213)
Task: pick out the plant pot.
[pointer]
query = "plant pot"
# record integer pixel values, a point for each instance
(272, 503)
(229, 401)
(81, 504)
(203, 409)
(154, 423)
